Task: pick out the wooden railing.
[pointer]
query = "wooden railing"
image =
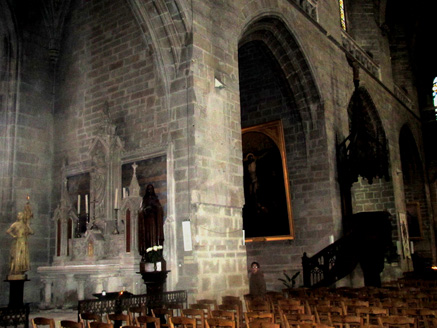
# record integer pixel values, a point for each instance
(330, 264)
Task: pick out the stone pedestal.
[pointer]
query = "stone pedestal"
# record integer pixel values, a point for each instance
(154, 281)
(16, 290)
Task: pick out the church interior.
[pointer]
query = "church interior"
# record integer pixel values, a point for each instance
(152, 146)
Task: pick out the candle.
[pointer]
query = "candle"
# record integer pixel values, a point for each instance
(78, 204)
(116, 199)
(124, 193)
(86, 203)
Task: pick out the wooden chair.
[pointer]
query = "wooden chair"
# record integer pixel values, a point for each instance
(291, 309)
(176, 308)
(203, 307)
(229, 299)
(289, 301)
(394, 306)
(215, 322)
(87, 318)
(323, 313)
(164, 316)
(370, 314)
(350, 305)
(346, 321)
(182, 321)
(312, 302)
(118, 319)
(397, 321)
(259, 305)
(262, 324)
(197, 314)
(41, 321)
(259, 316)
(95, 324)
(222, 314)
(212, 303)
(424, 317)
(136, 311)
(71, 324)
(143, 320)
(291, 320)
(233, 307)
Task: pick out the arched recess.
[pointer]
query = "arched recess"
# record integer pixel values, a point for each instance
(155, 17)
(419, 227)
(363, 161)
(9, 76)
(276, 83)
(270, 37)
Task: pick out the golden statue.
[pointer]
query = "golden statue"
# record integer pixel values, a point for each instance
(19, 230)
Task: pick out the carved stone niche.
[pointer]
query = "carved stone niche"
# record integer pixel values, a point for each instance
(105, 182)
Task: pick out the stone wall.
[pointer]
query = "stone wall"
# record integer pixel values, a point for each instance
(151, 68)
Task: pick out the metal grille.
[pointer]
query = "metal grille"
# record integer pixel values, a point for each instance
(102, 307)
(15, 316)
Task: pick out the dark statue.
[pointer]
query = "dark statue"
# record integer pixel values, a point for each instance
(150, 222)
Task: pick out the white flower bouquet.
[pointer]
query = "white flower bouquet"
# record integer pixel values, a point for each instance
(154, 254)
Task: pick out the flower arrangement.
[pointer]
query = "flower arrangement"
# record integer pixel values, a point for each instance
(154, 254)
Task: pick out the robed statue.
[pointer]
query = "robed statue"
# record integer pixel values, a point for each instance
(20, 230)
(150, 222)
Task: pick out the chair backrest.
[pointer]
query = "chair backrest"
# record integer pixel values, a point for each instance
(124, 319)
(346, 321)
(397, 321)
(71, 324)
(176, 308)
(87, 318)
(143, 320)
(41, 321)
(259, 316)
(197, 314)
(234, 307)
(212, 303)
(182, 321)
(163, 314)
(95, 324)
(261, 305)
(296, 319)
(323, 313)
(216, 322)
(223, 314)
(370, 314)
(203, 307)
(262, 324)
(136, 311)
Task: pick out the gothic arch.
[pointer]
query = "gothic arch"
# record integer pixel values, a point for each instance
(166, 29)
(367, 151)
(289, 55)
(295, 72)
(10, 53)
(412, 167)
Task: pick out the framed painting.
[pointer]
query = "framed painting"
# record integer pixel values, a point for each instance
(414, 221)
(267, 211)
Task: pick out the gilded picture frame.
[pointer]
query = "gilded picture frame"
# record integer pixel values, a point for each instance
(267, 213)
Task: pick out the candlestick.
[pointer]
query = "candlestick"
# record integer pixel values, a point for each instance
(78, 204)
(116, 199)
(86, 203)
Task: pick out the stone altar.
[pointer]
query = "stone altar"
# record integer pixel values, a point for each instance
(105, 256)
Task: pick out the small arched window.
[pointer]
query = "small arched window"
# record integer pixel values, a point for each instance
(342, 15)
